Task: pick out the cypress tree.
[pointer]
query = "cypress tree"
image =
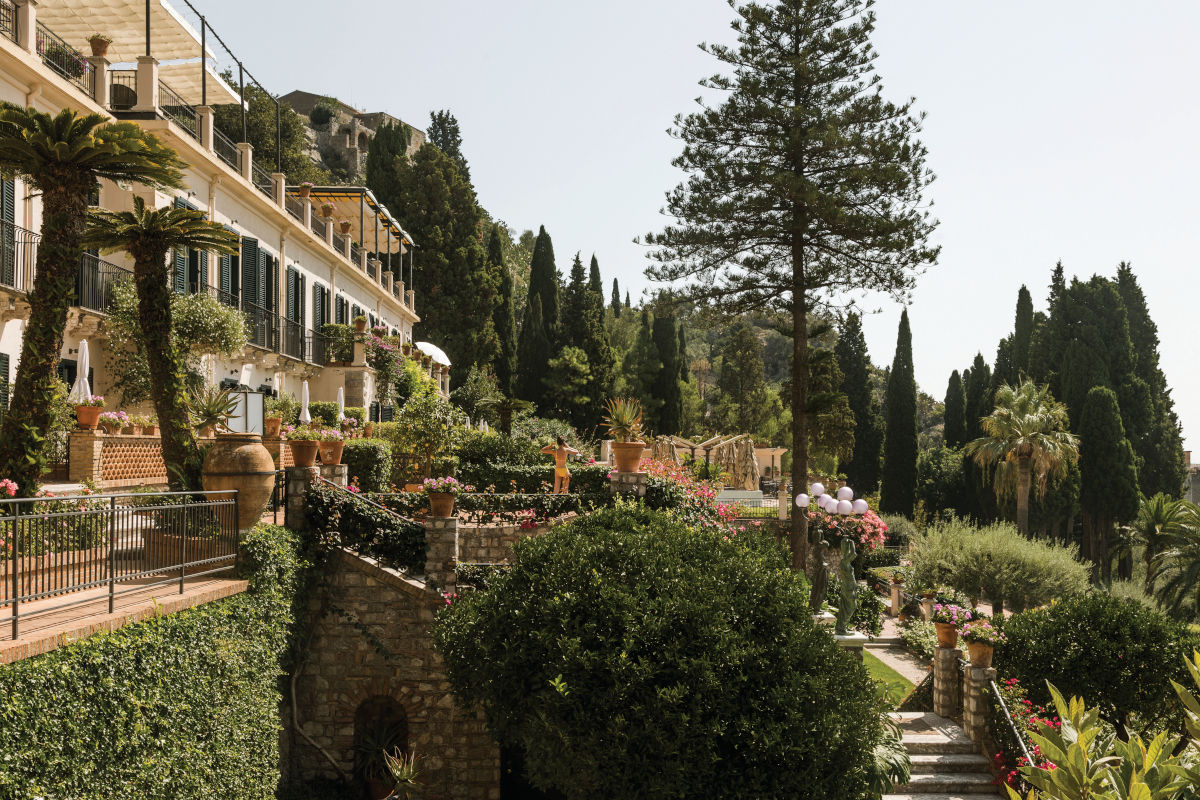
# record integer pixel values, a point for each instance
(583, 328)
(666, 385)
(445, 135)
(616, 300)
(1108, 492)
(533, 355)
(389, 144)
(502, 317)
(627, 300)
(684, 373)
(594, 279)
(956, 412)
(862, 470)
(743, 396)
(543, 281)
(979, 405)
(899, 485)
(641, 368)
(1022, 339)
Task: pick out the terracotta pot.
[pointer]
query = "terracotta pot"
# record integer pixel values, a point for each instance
(88, 416)
(344, 227)
(331, 452)
(377, 789)
(99, 47)
(240, 461)
(127, 430)
(271, 427)
(947, 634)
(304, 454)
(441, 504)
(150, 430)
(628, 455)
(929, 595)
(326, 211)
(360, 325)
(110, 428)
(980, 654)
(369, 430)
(136, 430)
(412, 487)
(305, 191)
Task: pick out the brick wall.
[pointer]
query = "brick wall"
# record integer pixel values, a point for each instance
(116, 460)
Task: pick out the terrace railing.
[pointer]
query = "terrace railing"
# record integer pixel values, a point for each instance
(92, 550)
(262, 179)
(18, 257)
(66, 60)
(355, 254)
(264, 327)
(8, 20)
(95, 280)
(122, 89)
(226, 150)
(293, 339)
(318, 225)
(294, 207)
(174, 108)
(319, 349)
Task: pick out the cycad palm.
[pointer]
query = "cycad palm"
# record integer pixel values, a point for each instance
(61, 157)
(149, 235)
(1025, 437)
(1178, 566)
(1159, 524)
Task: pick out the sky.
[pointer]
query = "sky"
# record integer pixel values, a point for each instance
(1062, 130)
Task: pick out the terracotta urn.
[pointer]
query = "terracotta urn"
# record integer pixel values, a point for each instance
(980, 654)
(99, 46)
(305, 191)
(344, 227)
(441, 504)
(304, 453)
(360, 325)
(150, 430)
(271, 427)
(88, 416)
(947, 634)
(240, 461)
(327, 210)
(627, 456)
(331, 452)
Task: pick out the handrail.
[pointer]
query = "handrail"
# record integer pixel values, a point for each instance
(1011, 725)
(367, 500)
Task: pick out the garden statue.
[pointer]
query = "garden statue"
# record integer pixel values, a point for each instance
(562, 475)
(820, 578)
(848, 587)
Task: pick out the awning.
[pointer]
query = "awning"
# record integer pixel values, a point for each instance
(124, 21)
(436, 353)
(184, 79)
(370, 220)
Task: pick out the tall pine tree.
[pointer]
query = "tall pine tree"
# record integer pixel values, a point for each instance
(898, 491)
(616, 299)
(979, 405)
(1022, 340)
(594, 279)
(583, 329)
(641, 369)
(502, 318)
(862, 470)
(445, 135)
(543, 281)
(956, 412)
(666, 387)
(533, 355)
(1108, 491)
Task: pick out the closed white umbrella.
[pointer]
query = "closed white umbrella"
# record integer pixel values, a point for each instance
(82, 389)
(341, 405)
(305, 417)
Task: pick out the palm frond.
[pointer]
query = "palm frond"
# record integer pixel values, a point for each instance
(156, 230)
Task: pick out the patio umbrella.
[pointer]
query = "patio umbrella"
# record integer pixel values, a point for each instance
(341, 404)
(305, 417)
(82, 389)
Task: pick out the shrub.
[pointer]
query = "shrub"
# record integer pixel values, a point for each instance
(900, 530)
(998, 563)
(483, 448)
(349, 521)
(585, 478)
(182, 705)
(544, 432)
(1117, 653)
(878, 557)
(357, 413)
(324, 412)
(369, 462)
(868, 617)
(628, 655)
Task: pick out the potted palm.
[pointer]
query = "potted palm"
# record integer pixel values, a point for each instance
(946, 619)
(88, 410)
(303, 442)
(623, 416)
(981, 637)
(99, 43)
(211, 408)
(331, 444)
(442, 492)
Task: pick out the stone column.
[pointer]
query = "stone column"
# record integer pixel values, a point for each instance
(147, 84)
(328, 230)
(204, 121)
(356, 388)
(785, 509)
(977, 701)
(279, 185)
(441, 536)
(101, 91)
(897, 599)
(27, 24)
(337, 474)
(630, 484)
(945, 680)
(306, 212)
(83, 455)
(246, 159)
(927, 608)
(295, 515)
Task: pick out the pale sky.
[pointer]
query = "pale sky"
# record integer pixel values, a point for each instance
(1063, 130)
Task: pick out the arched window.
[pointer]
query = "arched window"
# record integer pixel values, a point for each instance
(363, 140)
(380, 726)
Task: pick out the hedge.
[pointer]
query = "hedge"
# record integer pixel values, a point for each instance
(184, 705)
(585, 478)
(350, 521)
(489, 508)
(369, 462)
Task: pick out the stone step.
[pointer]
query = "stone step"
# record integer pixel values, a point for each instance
(948, 762)
(885, 641)
(950, 783)
(937, 744)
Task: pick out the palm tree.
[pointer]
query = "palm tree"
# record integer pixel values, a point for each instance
(1025, 437)
(62, 157)
(148, 235)
(1160, 522)
(1178, 565)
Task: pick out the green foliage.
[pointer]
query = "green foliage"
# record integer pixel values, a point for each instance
(504, 317)
(920, 637)
(640, 370)
(130, 714)
(260, 132)
(543, 431)
(285, 406)
(345, 520)
(582, 329)
(941, 482)
(900, 530)
(324, 110)
(879, 557)
(1108, 474)
(706, 648)
(666, 388)
(868, 616)
(1116, 652)
(425, 428)
(745, 403)
(533, 353)
(569, 381)
(325, 412)
(369, 462)
(476, 448)
(955, 412)
(862, 468)
(444, 134)
(898, 489)
(585, 478)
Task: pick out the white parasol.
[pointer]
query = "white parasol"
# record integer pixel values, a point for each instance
(82, 390)
(305, 417)
(341, 405)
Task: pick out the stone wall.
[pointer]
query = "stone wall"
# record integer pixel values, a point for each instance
(491, 544)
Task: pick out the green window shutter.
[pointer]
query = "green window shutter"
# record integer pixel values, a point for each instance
(4, 362)
(181, 270)
(179, 202)
(8, 235)
(226, 276)
(301, 295)
(250, 262)
(290, 309)
(203, 287)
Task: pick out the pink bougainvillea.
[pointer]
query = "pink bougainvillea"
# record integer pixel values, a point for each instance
(867, 530)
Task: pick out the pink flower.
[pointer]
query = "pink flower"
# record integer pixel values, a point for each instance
(8, 487)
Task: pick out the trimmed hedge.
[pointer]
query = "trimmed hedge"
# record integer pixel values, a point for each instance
(352, 522)
(184, 705)
(585, 478)
(872, 559)
(370, 462)
(481, 448)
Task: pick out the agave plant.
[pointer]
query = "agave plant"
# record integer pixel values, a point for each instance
(212, 407)
(623, 416)
(404, 772)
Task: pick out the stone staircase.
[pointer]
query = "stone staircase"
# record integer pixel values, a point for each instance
(946, 765)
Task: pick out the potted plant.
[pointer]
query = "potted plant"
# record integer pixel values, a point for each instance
(113, 421)
(623, 417)
(274, 409)
(99, 43)
(150, 426)
(946, 619)
(88, 410)
(370, 764)
(403, 769)
(441, 492)
(898, 578)
(360, 323)
(349, 426)
(305, 188)
(331, 444)
(211, 408)
(344, 226)
(326, 210)
(303, 442)
(981, 637)
(142, 424)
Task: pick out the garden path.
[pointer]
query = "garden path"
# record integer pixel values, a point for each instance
(946, 765)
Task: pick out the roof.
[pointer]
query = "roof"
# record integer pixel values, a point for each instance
(367, 216)
(436, 353)
(124, 21)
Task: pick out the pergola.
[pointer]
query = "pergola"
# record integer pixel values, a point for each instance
(377, 230)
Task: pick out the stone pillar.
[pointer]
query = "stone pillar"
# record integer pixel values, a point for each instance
(784, 500)
(388, 282)
(852, 643)
(337, 474)
(630, 484)
(279, 187)
(441, 536)
(147, 84)
(897, 599)
(977, 701)
(295, 515)
(204, 122)
(246, 159)
(356, 388)
(27, 24)
(83, 455)
(346, 249)
(328, 230)
(100, 92)
(927, 608)
(306, 213)
(945, 680)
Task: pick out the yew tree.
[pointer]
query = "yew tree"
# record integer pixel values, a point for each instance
(805, 185)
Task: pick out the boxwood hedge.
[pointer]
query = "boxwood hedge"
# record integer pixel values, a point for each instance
(185, 705)
(585, 478)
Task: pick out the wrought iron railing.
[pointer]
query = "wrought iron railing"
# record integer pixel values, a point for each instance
(318, 225)
(339, 242)
(66, 60)
(262, 180)
(8, 19)
(396, 291)
(122, 89)
(174, 108)
(264, 327)
(226, 150)
(95, 281)
(18, 257)
(1008, 719)
(319, 349)
(292, 339)
(371, 270)
(356, 254)
(294, 207)
(92, 550)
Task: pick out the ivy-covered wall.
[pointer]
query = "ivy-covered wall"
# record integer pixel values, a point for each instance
(182, 706)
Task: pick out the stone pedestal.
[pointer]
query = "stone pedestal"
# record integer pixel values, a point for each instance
(147, 84)
(628, 484)
(977, 701)
(337, 474)
(295, 515)
(785, 504)
(897, 599)
(852, 642)
(824, 619)
(441, 536)
(927, 608)
(945, 681)
(83, 455)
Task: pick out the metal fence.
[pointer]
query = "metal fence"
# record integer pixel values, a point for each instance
(95, 281)
(69, 552)
(18, 256)
(318, 225)
(262, 179)
(226, 150)
(177, 110)
(292, 340)
(355, 254)
(8, 20)
(264, 327)
(66, 60)
(294, 207)
(122, 89)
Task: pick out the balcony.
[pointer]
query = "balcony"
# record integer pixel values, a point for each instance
(66, 60)
(94, 280)
(8, 20)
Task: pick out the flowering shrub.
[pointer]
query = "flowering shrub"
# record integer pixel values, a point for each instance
(91, 401)
(7, 487)
(981, 631)
(1027, 719)
(955, 615)
(118, 419)
(446, 485)
(672, 488)
(867, 530)
(330, 435)
(302, 434)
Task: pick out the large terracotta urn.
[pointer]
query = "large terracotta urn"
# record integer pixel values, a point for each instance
(627, 456)
(240, 461)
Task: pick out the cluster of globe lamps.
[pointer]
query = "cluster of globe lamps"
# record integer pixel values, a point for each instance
(842, 504)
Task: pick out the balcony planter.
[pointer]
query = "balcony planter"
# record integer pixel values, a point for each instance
(99, 44)
(150, 430)
(240, 461)
(305, 189)
(344, 227)
(304, 453)
(271, 427)
(88, 416)
(360, 324)
(331, 452)
(326, 210)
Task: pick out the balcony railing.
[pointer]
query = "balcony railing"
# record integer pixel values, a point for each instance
(355, 254)
(95, 281)
(226, 150)
(174, 108)
(318, 225)
(264, 326)
(122, 89)
(18, 257)
(66, 60)
(292, 343)
(294, 207)
(262, 180)
(8, 20)
(319, 349)
(339, 242)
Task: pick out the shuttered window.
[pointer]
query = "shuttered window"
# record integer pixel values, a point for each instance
(320, 313)
(8, 234)
(292, 281)
(250, 266)
(179, 273)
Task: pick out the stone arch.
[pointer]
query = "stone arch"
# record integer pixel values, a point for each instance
(380, 722)
(363, 140)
